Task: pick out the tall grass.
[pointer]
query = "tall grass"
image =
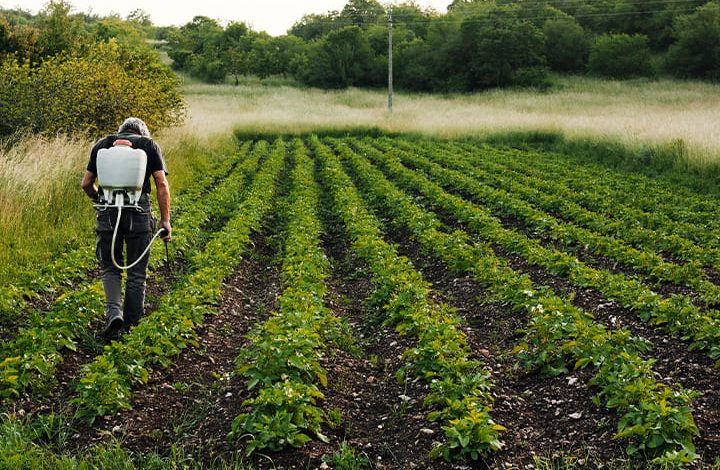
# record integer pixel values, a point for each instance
(43, 210)
(634, 113)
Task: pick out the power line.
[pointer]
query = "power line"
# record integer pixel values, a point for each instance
(470, 19)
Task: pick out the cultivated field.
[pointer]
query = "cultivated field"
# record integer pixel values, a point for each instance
(378, 302)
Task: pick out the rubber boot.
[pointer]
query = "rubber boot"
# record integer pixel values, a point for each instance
(114, 326)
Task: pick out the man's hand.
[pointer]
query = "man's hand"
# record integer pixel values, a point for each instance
(163, 197)
(88, 185)
(167, 234)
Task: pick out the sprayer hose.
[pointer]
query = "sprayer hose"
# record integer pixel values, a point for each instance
(112, 247)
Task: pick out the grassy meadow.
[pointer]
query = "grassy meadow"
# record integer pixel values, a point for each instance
(45, 212)
(634, 113)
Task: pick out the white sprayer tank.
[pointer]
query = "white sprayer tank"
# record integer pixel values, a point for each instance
(121, 168)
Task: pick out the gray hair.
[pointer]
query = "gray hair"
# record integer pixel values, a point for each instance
(134, 124)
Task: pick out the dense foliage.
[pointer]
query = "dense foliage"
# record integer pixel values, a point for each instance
(68, 73)
(476, 45)
(620, 56)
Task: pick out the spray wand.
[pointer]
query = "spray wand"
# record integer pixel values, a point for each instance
(119, 200)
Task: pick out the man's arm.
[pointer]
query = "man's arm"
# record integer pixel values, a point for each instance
(163, 198)
(88, 184)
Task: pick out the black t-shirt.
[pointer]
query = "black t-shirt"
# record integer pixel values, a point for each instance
(155, 161)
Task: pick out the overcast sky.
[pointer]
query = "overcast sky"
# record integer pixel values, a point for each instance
(273, 16)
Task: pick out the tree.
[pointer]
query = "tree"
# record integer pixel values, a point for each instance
(115, 27)
(20, 39)
(459, 4)
(140, 17)
(274, 55)
(620, 56)
(196, 39)
(59, 31)
(313, 26)
(654, 21)
(90, 92)
(343, 58)
(697, 50)
(410, 16)
(362, 13)
(234, 32)
(566, 46)
(413, 66)
(6, 42)
(501, 49)
(595, 15)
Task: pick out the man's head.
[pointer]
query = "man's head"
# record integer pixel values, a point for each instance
(133, 124)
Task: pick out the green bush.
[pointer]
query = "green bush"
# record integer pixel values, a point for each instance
(620, 56)
(89, 93)
(343, 58)
(697, 50)
(497, 45)
(566, 46)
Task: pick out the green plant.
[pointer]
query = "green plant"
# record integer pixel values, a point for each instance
(106, 384)
(440, 355)
(557, 330)
(620, 56)
(285, 352)
(347, 458)
(335, 418)
(62, 94)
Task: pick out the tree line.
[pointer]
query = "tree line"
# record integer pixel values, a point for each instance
(65, 72)
(477, 44)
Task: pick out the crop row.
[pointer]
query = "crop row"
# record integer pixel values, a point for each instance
(66, 268)
(652, 192)
(212, 196)
(554, 197)
(284, 356)
(563, 234)
(656, 418)
(676, 314)
(30, 359)
(628, 197)
(74, 264)
(106, 384)
(459, 387)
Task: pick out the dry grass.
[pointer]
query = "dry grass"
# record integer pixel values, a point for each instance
(632, 112)
(45, 212)
(40, 198)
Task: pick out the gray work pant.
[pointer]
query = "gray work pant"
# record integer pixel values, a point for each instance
(134, 233)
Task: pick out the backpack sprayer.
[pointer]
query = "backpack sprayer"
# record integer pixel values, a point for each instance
(121, 174)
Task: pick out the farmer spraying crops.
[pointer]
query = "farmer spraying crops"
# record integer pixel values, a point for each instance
(122, 164)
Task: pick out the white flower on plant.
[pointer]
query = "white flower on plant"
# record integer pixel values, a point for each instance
(537, 308)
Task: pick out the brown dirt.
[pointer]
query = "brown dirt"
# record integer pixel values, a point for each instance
(173, 405)
(676, 364)
(538, 411)
(381, 418)
(54, 397)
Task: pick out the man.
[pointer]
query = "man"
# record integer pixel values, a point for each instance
(135, 231)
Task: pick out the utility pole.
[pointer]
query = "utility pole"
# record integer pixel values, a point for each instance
(390, 61)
